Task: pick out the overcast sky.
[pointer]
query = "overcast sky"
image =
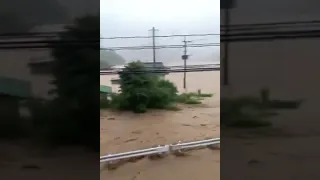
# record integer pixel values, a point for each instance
(137, 17)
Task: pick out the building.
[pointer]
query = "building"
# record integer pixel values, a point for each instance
(288, 58)
(158, 68)
(26, 70)
(34, 65)
(105, 91)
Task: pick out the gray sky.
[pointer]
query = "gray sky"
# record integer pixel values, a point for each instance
(136, 17)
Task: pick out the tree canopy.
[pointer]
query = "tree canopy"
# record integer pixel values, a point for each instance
(76, 78)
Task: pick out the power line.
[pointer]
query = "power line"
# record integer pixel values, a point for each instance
(54, 34)
(253, 36)
(232, 27)
(95, 46)
(257, 28)
(234, 37)
(166, 47)
(161, 71)
(95, 42)
(287, 23)
(260, 36)
(166, 36)
(167, 67)
(161, 47)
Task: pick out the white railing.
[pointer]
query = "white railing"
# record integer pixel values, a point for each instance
(166, 149)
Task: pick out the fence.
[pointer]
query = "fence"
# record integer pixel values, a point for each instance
(160, 150)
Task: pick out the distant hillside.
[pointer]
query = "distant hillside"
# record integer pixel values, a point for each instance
(110, 58)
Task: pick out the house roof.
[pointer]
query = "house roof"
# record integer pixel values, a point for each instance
(105, 89)
(155, 66)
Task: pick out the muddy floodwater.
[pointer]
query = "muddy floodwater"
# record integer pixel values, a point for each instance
(125, 131)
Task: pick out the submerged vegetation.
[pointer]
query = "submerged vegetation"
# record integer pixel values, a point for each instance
(141, 91)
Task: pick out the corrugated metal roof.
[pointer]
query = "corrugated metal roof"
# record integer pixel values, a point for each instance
(105, 89)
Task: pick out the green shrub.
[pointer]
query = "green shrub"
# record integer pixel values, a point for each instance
(141, 91)
(188, 98)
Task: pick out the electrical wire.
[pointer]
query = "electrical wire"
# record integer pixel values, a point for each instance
(56, 34)
(162, 47)
(244, 36)
(260, 36)
(233, 27)
(287, 23)
(233, 37)
(161, 71)
(97, 46)
(95, 42)
(166, 67)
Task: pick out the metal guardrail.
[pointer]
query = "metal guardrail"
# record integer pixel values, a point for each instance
(166, 149)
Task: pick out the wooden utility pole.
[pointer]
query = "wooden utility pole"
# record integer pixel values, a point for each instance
(153, 30)
(227, 5)
(184, 57)
(226, 48)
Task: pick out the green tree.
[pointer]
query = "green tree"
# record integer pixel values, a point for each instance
(141, 90)
(135, 86)
(75, 71)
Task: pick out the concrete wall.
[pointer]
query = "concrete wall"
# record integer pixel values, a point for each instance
(14, 64)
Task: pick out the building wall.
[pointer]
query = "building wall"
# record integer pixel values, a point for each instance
(251, 62)
(14, 64)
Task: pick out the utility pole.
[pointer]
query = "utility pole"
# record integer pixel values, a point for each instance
(184, 57)
(153, 30)
(226, 47)
(226, 5)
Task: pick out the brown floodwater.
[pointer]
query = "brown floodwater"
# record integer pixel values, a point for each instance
(124, 131)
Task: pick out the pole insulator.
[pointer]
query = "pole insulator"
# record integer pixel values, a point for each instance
(185, 57)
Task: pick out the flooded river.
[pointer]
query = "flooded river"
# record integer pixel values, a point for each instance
(124, 131)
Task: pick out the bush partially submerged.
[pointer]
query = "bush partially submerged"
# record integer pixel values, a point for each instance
(141, 91)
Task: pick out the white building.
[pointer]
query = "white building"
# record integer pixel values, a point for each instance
(29, 64)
